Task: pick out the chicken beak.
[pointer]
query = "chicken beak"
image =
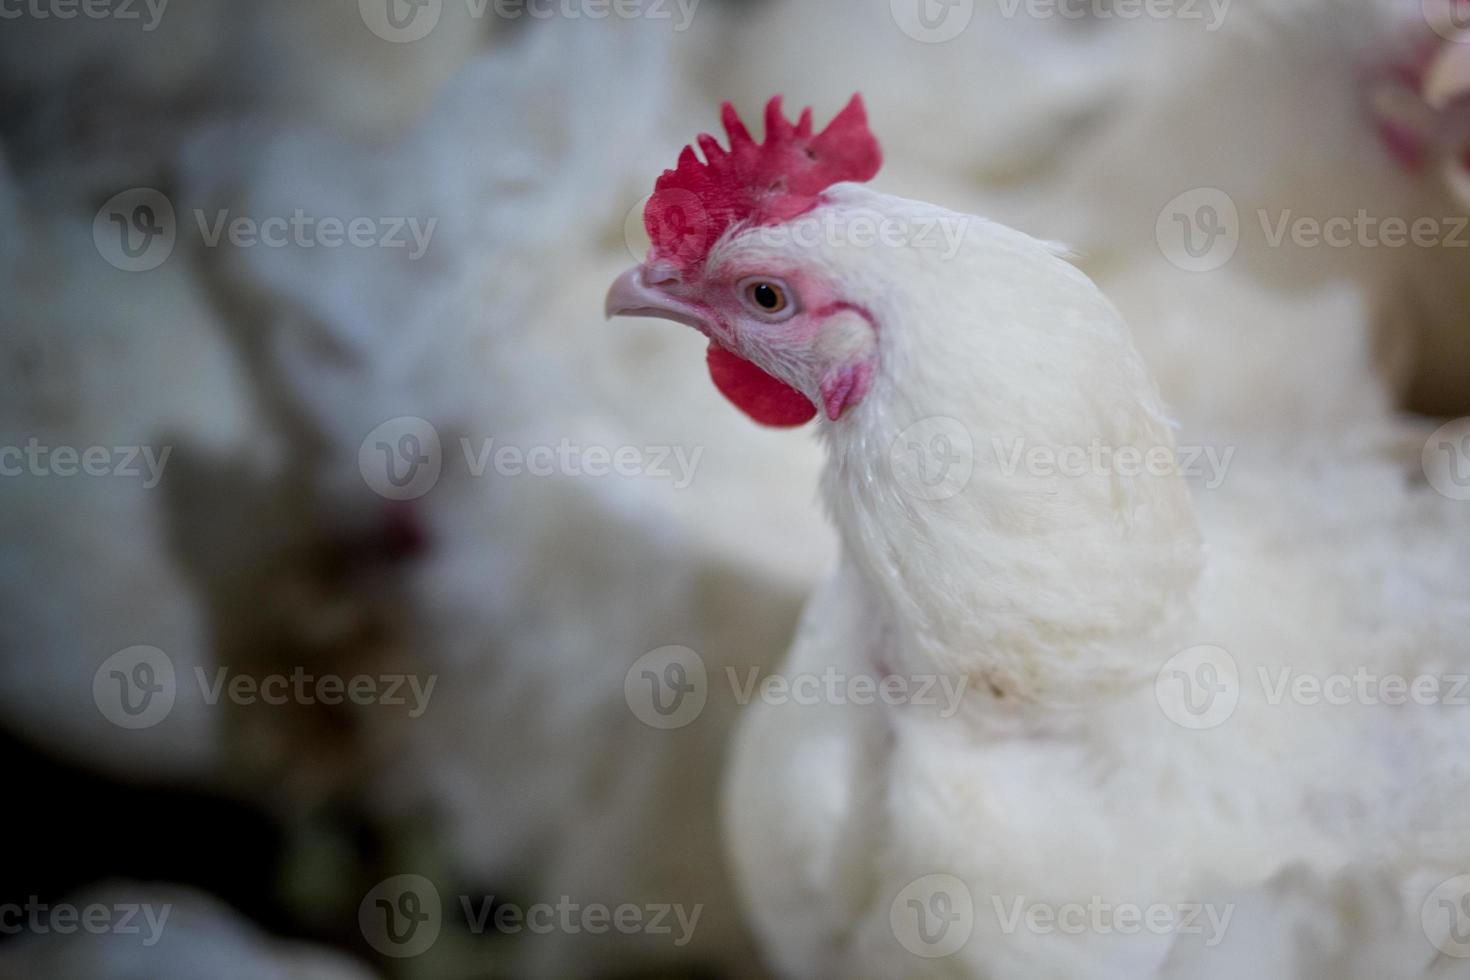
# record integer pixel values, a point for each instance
(631, 295)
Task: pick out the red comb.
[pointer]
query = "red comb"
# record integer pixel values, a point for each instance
(760, 183)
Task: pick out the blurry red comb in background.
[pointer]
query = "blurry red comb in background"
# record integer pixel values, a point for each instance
(759, 183)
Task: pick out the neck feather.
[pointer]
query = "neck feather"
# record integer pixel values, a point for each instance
(1007, 488)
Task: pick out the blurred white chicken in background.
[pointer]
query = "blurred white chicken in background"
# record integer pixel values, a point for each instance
(1286, 113)
(98, 357)
(528, 598)
(164, 934)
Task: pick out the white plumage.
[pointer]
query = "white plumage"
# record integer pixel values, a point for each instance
(1068, 771)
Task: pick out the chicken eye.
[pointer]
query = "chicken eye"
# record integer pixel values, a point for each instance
(766, 296)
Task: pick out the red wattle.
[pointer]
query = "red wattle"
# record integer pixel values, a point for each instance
(768, 400)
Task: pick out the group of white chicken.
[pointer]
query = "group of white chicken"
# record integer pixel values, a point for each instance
(814, 838)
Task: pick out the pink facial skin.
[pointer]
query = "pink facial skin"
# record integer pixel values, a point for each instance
(746, 336)
(818, 346)
(845, 387)
(693, 208)
(1421, 102)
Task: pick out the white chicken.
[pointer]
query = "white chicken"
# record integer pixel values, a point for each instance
(1285, 148)
(135, 367)
(534, 594)
(127, 929)
(1122, 729)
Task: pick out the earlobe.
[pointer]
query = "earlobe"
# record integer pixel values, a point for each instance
(844, 386)
(849, 345)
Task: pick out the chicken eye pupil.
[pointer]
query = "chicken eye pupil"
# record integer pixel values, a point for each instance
(767, 296)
